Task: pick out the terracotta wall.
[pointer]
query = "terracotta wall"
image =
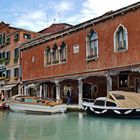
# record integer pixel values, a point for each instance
(76, 63)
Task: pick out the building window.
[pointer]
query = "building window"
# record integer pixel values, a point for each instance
(2, 39)
(63, 52)
(27, 36)
(7, 57)
(48, 56)
(8, 74)
(123, 80)
(120, 39)
(16, 37)
(92, 45)
(7, 40)
(55, 57)
(2, 57)
(16, 72)
(16, 54)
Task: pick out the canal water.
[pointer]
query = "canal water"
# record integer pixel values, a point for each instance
(69, 126)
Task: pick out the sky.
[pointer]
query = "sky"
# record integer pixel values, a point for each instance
(36, 15)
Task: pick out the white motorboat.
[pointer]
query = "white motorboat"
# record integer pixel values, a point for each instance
(116, 104)
(25, 103)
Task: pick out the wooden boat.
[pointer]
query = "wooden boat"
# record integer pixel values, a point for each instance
(25, 103)
(116, 104)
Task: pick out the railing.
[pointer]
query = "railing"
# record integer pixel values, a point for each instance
(88, 100)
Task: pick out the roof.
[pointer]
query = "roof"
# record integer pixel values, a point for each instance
(125, 99)
(109, 15)
(55, 28)
(17, 29)
(21, 29)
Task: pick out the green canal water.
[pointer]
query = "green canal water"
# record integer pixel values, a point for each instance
(69, 126)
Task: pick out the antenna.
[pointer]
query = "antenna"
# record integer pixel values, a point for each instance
(59, 16)
(47, 19)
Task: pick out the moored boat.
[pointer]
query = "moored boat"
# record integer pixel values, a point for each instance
(3, 104)
(115, 104)
(25, 103)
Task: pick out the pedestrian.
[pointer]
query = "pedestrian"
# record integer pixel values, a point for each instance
(68, 97)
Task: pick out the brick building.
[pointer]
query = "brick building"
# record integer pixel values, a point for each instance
(89, 59)
(10, 68)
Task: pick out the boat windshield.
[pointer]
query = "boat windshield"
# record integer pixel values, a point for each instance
(118, 96)
(99, 102)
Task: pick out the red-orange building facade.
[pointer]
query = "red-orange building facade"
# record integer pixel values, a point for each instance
(88, 59)
(10, 67)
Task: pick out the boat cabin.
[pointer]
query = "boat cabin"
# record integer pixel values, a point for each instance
(103, 101)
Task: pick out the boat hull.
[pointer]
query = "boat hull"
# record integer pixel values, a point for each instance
(115, 113)
(4, 106)
(24, 107)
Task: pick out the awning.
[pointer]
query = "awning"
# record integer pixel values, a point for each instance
(7, 87)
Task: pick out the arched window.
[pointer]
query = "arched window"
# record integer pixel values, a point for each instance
(63, 52)
(120, 39)
(92, 45)
(55, 57)
(48, 55)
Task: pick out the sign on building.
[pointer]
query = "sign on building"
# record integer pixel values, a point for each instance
(76, 48)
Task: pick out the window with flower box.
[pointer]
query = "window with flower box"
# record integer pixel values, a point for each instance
(120, 39)
(92, 46)
(8, 74)
(16, 73)
(2, 57)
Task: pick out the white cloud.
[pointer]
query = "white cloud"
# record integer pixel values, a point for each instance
(33, 20)
(72, 12)
(65, 6)
(37, 19)
(92, 8)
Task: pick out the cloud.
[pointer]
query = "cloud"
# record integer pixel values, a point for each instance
(33, 20)
(36, 16)
(42, 15)
(93, 8)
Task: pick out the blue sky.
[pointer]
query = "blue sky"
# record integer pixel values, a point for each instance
(38, 14)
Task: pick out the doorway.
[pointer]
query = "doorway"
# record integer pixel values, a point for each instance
(87, 90)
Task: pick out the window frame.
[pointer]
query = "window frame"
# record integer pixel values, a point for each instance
(123, 87)
(26, 35)
(16, 73)
(8, 74)
(63, 52)
(16, 37)
(124, 38)
(47, 56)
(92, 40)
(55, 54)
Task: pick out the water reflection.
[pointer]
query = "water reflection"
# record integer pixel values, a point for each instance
(70, 126)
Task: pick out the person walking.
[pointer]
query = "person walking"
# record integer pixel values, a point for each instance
(68, 97)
